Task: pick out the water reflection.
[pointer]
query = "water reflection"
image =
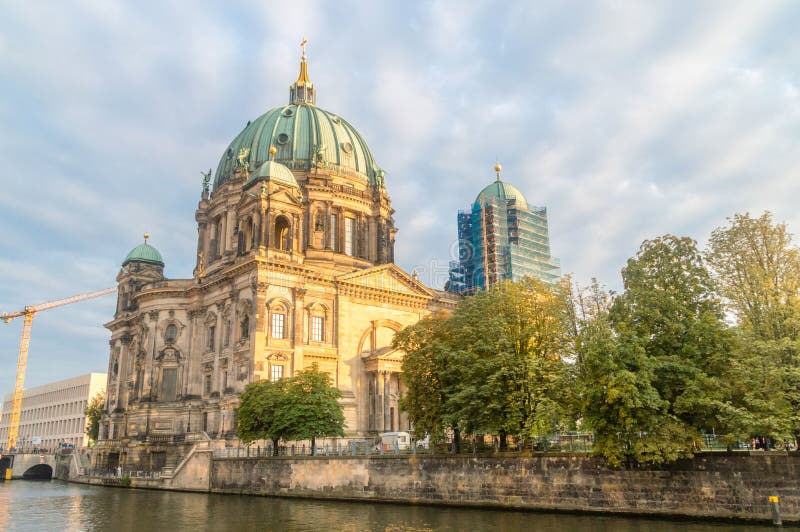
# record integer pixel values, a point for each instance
(55, 505)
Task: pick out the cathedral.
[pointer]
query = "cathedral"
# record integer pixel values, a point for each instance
(295, 266)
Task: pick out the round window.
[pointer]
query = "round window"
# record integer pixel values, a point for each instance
(288, 111)
(283, 138)
(347, 147)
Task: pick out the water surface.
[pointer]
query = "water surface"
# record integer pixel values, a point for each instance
(56, 505)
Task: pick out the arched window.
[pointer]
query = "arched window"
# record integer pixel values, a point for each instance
(245, 327)
(278, 324)
(171, 333)
(218, 244)
(282, 233)
(349, 236)
(332, 239)
(246, 236)
(210, 337)
(319, 221)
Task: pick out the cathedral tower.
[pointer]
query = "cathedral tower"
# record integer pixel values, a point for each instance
(501, 238)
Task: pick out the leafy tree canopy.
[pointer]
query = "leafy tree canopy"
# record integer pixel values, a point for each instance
(93, 413)
(304, 406)
(492, 367)
(758, 269)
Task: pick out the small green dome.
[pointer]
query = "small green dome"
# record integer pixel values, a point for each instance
(499, 190)
(304, 136)
(275, 172)
(144, 253)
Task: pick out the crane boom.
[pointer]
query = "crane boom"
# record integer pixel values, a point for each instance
(56, 303)
(22, 361)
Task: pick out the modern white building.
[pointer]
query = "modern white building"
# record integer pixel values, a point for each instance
(53, 413)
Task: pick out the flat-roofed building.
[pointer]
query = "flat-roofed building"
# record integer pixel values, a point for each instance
(53, 413)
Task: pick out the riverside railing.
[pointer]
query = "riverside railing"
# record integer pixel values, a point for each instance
(105, 473)
(563, 442)
(558, 443)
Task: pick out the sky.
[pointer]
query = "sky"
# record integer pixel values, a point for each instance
(626, 119)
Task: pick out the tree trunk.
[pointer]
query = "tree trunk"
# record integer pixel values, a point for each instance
(275, 446)
(456, 440)
(313, 445)
(503, 441)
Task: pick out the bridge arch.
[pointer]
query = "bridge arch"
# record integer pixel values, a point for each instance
(5, 463)
(38, 472)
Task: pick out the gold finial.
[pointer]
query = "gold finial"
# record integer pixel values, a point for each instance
(272, 151)
(146, 236)
(497, 168)
(302, 79)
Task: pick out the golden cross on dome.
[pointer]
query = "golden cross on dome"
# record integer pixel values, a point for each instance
(303, 47)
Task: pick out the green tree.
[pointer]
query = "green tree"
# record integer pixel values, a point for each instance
(263, 411)
(758, 269)
(614, 395)
(670, 305)
(649, 367)
(301, 407)
(618, 400)
(312, 406)
(507, 360)
(93, 413)
(493, 367)
(427, 348)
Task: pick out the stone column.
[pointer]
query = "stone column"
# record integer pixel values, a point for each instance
(395, 402)
(262, 226)
(267, 224)
(123, 375)
(188, 364)
(148, 369)
(299, 326)
(230, 221)
(309, 228)
(372, 239)
(218, 332)
(296, 234)
(380, 419)
(326, 225)
(340, 229)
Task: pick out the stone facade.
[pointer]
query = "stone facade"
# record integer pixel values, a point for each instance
(294, 268)
(711, 485)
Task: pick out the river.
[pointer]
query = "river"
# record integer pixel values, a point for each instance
(60, 506)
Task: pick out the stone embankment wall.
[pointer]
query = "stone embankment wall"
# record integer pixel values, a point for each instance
(718, 485)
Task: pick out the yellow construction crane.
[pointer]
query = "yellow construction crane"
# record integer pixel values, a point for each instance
(27, 315)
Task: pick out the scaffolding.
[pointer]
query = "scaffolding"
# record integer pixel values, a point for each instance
(499, 240)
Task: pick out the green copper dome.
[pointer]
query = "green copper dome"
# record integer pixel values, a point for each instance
(144, 253)
(500, 190)
(272, 171)
(304, 136)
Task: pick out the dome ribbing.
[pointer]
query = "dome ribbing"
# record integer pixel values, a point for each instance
(144, 253)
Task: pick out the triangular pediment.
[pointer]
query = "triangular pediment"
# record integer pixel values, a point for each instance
(386, 359)
(276, 192)
(387, 277)
(385, 353)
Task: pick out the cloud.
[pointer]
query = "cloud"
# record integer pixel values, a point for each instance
(627, 120)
